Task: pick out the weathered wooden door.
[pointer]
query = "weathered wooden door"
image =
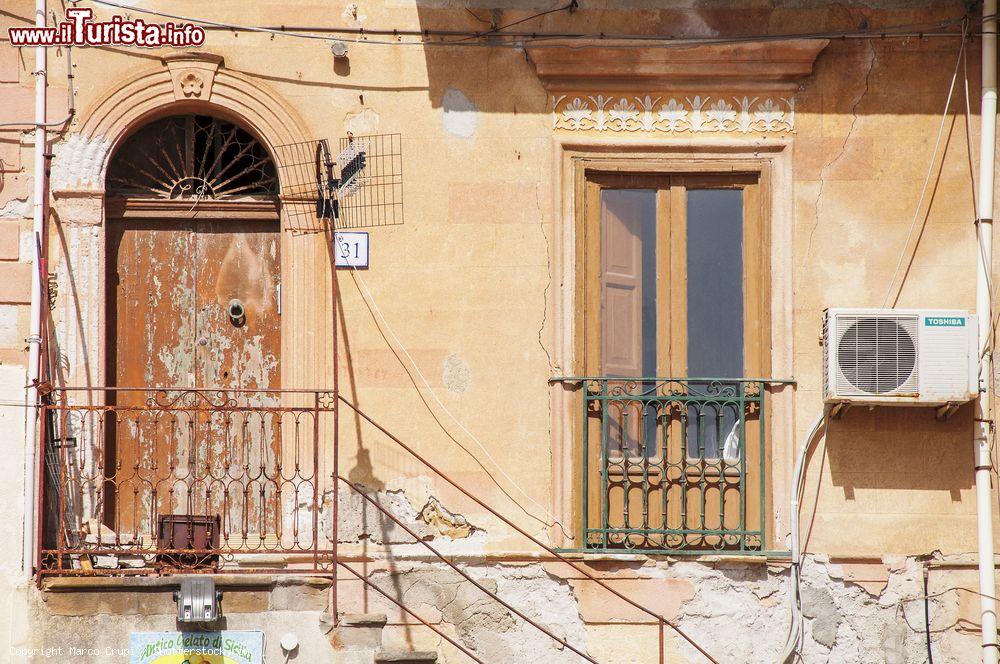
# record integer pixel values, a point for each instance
(192, 305)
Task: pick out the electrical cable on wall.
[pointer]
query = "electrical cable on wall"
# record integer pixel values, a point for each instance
(796, 629)
(571, 6)
(907, 251)
(927, 619)
(70, 101)
(919, 30)
(366, 293)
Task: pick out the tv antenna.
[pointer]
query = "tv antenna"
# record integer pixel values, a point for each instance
(362, 186)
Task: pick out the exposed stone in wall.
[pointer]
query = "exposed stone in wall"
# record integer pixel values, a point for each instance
(17, 208)
(744, 607)
(485, 626)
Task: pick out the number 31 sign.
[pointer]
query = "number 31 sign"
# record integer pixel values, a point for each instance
(351, 249)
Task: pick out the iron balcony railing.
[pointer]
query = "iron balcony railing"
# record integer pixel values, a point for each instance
(674, 465)
(163, 480)
(145, 480)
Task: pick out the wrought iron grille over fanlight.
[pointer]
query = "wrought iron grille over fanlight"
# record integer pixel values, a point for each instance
(192, 157)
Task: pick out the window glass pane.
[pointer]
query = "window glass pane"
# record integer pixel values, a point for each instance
(714, 316)
(628, 311)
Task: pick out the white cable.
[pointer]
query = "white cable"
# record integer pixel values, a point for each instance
(795, 627)
(370, 299)
(927, 180)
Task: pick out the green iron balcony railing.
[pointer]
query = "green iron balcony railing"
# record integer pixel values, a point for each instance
(674, 465)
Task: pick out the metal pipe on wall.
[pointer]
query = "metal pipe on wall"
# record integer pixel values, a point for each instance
(984, 235)
(40, 195)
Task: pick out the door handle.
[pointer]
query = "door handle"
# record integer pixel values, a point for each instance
(237, 313)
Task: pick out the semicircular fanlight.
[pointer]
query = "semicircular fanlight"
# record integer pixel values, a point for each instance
(877, 355)
(191, 157)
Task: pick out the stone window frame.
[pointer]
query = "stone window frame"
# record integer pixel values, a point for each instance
(570, 155)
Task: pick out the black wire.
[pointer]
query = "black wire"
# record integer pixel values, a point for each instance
(476, 16)
(927, 620)
(570, 5)
(567, 7)
(928, 29)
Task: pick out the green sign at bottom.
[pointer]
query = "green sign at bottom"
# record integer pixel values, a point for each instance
(197, 648)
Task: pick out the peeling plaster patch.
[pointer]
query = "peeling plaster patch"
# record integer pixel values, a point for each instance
(360, 520)
(456, 375)
(362, 122)
(353, 15)
(79, 163)
(18, 208)
(745, 608)
(818, 605)
(445, 522)
(486, 627)
(459, 113)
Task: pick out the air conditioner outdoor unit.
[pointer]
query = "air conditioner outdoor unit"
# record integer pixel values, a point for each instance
(900, 356)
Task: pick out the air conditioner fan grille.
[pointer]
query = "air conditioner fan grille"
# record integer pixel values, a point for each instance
(878, 355)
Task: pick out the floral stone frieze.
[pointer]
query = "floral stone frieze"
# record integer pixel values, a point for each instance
(698, 113)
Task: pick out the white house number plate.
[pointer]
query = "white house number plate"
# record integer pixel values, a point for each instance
(351, 249)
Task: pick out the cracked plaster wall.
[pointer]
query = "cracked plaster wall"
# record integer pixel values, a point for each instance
(855, 611)
(737, 610)
(470, 283)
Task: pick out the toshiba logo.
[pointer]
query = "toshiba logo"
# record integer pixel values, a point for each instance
(944, 321)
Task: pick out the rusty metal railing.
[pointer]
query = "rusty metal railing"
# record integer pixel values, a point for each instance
(144, 481)
(140, 480)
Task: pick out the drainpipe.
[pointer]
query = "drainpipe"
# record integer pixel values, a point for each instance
(40, 195)
(984, 227)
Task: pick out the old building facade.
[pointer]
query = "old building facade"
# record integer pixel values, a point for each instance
(555, 414)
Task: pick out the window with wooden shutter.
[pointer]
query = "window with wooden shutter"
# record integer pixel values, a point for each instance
(674, 337)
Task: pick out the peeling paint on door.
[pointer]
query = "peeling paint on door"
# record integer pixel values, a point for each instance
(172, 282)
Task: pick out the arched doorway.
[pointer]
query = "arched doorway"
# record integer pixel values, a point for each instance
(193, 305)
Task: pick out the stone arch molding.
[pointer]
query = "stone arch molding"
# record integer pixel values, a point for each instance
(178, 83)
(184, 82)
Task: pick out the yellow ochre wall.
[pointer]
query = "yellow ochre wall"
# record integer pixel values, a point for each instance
(468, 282)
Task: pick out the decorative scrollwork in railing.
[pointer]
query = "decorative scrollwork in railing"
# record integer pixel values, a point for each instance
(137, 480)
(207, 399)
(674, 465)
